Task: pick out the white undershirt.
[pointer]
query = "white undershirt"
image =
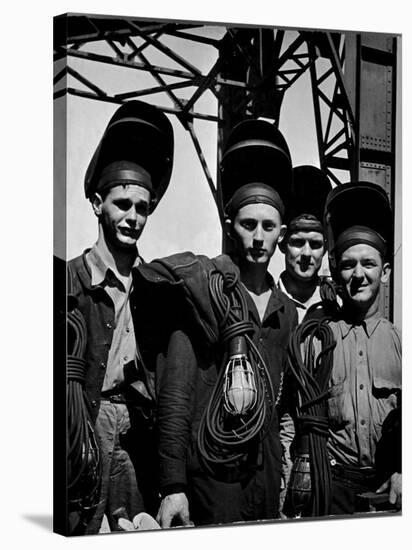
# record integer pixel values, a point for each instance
(261, 301)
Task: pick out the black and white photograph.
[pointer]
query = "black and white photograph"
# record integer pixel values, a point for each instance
(205, 275)
(227, 274)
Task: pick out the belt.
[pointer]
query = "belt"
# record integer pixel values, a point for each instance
(119, 389)
(361, 474)
(127, 393)
(118, 398)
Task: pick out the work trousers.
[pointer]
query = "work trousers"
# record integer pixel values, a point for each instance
(347, 484)
(119, 486)
(255, 497)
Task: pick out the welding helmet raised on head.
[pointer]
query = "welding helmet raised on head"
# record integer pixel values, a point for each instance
(256, 152)
(358, 212)
(140, 136)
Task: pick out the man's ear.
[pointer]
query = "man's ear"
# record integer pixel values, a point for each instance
(282, 239)
(386, 272)
(228, 228)
(97, 203)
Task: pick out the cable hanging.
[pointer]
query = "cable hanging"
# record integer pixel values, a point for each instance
(83, 453)
(311, 370)
(242, 403)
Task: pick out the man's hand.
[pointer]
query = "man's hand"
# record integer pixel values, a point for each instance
(173, 506)
(394, 485)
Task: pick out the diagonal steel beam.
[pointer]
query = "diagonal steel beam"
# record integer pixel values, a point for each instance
(335, 138)
(206, 84)
(194, 38)
(124, 63)
(60, 75)
(160, 80)
(85, 81)
(137, 49)
(157, 89)
(164, 49)
(205, 167)
(336, 62)
(112, 99)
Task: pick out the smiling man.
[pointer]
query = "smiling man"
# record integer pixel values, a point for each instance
(364, 400)
(125, 180)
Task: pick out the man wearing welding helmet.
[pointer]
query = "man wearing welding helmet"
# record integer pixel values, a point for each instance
(125, 180)
(199, 397)
(304, 247)
(304, 242)
(364, 403)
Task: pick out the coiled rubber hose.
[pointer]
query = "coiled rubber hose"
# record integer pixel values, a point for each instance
(223, 439)
(83, 458)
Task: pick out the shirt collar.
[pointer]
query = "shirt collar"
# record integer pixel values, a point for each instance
(274, 303)
(369, 325)
(103, 268)
(282, 288)
(315, 298)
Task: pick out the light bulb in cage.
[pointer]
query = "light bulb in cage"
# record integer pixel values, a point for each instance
(239, 387)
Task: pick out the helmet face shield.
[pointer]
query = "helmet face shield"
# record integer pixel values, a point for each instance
(310, 188)
(361, 204)
(256, 152)
(138, 133)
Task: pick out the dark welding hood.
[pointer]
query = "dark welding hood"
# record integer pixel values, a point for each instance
(141, 134)
(310, 188)
(360, 204)
(256, 152)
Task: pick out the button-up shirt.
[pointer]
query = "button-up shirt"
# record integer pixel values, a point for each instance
(366, 383)
(301, 307)
(122, 351)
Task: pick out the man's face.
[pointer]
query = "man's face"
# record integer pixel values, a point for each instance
(303, 254)
(361, 271)
(123, 214)
(255, 230)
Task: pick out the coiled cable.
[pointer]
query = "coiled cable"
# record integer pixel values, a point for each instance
(224, 439)
(311, 372)
(83, 453)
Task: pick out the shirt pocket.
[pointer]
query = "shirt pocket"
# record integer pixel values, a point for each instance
(339, 409)
(386, 395)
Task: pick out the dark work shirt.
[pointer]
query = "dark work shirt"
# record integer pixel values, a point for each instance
(187, 374)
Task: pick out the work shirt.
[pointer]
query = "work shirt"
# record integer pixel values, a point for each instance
(121, 359)
(301, 307)
(366, 384)
(188, 379)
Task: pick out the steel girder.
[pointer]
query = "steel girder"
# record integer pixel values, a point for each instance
(353, 77)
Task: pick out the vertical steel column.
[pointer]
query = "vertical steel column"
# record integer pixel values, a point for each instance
(370, 77)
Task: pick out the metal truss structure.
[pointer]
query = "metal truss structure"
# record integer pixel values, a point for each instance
(353, 80)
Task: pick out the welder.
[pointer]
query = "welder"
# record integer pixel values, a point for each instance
(127, 176)
(203, 401)
(347, 370)
(304, 243)
(365, 385)
(303, 246)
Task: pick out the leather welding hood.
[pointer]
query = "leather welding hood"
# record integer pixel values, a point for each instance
(361, 204)
(310, 188)
(139, 133)
(256, 152)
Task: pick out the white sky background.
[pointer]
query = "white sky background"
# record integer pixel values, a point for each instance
(186, 218)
